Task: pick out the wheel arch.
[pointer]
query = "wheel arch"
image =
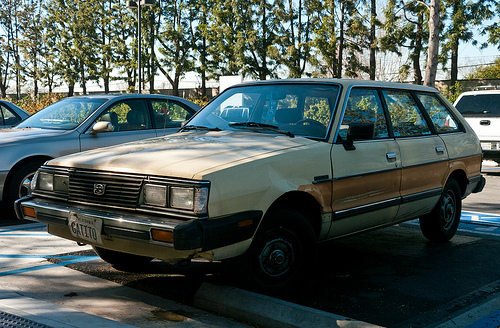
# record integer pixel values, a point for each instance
(461, 177)
(304, 203)
(21, 163)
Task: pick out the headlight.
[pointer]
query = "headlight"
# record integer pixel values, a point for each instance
(155, 195)
(51, 182)
(194, 199)
(189, 198)
(46, 181)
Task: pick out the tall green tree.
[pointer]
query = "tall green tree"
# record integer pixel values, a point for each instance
(294, 26)
(9, 51)
(31, 43)
(71, 33)
(405, 30)
(257, 35)
(174, 40)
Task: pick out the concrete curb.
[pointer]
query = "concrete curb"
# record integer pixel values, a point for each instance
(266, 311)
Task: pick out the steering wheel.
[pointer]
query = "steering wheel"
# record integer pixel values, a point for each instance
(313, 123)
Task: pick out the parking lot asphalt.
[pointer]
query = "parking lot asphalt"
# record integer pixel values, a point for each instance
(50, 294)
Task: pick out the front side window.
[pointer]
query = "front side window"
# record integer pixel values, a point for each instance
(169, 114)
(406, 118)
(440, 116)
(128, 115)
(364, 106)
(297, 109)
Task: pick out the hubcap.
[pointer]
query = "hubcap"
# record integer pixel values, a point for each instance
(25, 187)
(276, 257)
(448, 210)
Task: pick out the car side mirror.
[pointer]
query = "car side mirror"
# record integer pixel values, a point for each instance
(358, 131)
(102, 126)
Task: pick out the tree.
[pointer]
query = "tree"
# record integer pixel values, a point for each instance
(293, 35)
(491, 71)
(257, 35)
(405, 27)
(175, 42)
(9, 55)
(433, 49)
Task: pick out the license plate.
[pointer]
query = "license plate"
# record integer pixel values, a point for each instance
(486, 145)
(85, 227)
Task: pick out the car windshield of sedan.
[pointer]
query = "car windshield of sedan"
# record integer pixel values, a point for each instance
(65, 114)
(292, 109)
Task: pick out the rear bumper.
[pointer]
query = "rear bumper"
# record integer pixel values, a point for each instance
(197, 234)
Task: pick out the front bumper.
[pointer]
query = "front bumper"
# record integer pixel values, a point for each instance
(195, 235)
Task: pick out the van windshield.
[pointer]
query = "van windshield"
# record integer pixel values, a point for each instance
(479, 105)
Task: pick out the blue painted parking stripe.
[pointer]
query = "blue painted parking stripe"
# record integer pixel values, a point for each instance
(491, 321)
(481, 218)
(28, 227)
(74, 259)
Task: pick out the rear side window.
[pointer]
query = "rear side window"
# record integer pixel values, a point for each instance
(406, 118)
(440, 116)
(479, 105)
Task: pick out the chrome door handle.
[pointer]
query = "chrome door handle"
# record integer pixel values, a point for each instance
(391, 156)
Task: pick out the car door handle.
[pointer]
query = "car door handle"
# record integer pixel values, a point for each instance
(485, 122)
(391, 156)
(440, 150)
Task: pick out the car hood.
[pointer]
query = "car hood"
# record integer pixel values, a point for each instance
(187, 155)
(14, 134)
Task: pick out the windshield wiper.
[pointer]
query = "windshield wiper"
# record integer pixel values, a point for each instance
(264, 126)
(198, 127)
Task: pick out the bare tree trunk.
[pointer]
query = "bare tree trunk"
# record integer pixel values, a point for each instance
(433, 50)
(372, 39)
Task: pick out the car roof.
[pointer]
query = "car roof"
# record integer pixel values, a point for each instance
(344, 82)
(481, 92)
(110, 96)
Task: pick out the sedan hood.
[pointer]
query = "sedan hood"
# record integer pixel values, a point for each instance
(15, 134)
(184, 155)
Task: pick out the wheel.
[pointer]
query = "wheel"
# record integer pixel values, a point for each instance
(122, 260)
(442, 223)
(281, 254)
(20, 183)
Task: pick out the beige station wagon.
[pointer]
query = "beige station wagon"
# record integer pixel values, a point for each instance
(263, 173)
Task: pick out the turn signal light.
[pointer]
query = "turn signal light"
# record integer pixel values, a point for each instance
(245, 223)
(162, 235)
(29, 211)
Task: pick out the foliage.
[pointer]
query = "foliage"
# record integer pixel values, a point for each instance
(73, 42)
(34, 104)
(487, 71)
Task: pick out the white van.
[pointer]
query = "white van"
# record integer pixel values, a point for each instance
(481, 109)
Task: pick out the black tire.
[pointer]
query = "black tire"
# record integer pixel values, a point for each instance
(442, 223)
(121, 260)
(19, 183)
(281, 255)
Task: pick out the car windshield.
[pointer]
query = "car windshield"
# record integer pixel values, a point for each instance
(66, 114)
(291, 109)
(479, 104)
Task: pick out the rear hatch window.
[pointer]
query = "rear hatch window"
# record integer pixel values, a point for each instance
(485, 105)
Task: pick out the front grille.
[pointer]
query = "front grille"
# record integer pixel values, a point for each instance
(120, 190)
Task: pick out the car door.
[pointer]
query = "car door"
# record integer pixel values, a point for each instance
(424, 157)
(168, 115)
(366, 173)
(130, 120)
